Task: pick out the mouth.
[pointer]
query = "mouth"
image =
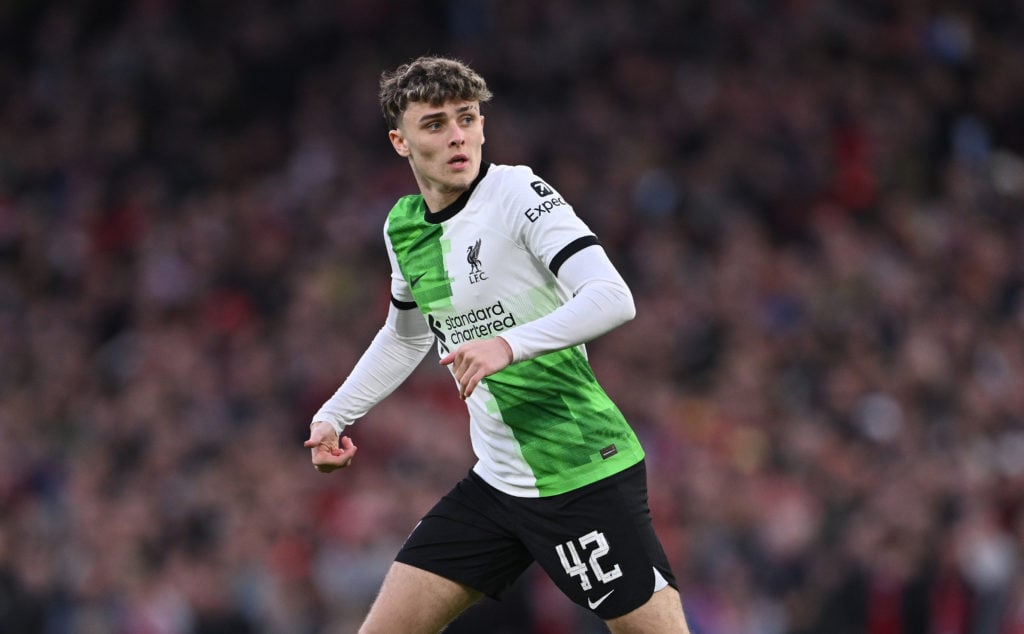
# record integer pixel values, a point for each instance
(459, 160)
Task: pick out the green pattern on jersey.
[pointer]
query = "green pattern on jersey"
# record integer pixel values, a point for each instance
(561, 432)
(556, 413)
(423, 251)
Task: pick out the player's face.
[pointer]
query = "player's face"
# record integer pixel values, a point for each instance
(444, 145)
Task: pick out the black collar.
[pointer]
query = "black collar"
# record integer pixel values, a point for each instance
(448, 212)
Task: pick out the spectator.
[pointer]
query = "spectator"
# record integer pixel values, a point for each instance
(817, 206)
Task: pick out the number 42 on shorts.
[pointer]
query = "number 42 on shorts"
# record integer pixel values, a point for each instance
(574, 565)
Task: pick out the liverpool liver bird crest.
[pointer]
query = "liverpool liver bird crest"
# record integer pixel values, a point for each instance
(473, 257)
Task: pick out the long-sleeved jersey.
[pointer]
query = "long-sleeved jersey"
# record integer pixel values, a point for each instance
(509, 257)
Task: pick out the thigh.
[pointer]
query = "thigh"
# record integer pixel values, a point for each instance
(415, 601)
(598, 544)
(469, 537)
(662, 614)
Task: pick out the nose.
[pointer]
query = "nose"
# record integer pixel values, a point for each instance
(458, 136)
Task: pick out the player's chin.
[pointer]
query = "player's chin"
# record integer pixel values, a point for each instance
(458, 179)
(462, 174)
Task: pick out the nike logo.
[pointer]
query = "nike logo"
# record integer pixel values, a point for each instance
(593, 604)
(415, 280)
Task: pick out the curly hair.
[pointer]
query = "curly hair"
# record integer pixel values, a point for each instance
(433, 80)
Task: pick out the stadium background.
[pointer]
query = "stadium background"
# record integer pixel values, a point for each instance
(817, 204)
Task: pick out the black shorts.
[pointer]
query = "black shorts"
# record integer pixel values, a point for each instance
(596, 543)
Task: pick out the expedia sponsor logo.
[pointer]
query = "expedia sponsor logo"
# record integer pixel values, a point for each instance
(478, 323)
(534, 213)
(542, 188)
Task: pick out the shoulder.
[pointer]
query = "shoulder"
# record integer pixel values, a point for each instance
(407, 206)
(408, 209)
(518, 181)
(404, 221)
(527, 196)
(523, 192)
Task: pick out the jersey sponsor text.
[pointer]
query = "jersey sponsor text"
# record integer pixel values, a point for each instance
(479, 323)
(534, 213)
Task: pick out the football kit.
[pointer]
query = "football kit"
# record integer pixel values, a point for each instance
(560, 477)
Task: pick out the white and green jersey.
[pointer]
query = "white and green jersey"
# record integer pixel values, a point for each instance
(481, 267)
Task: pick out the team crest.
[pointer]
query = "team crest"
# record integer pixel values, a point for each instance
(476, 274)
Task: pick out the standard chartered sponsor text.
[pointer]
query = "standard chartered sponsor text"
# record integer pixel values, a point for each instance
(479, 323)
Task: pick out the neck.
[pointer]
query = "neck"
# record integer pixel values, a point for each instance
(436, 195)
(437, 200)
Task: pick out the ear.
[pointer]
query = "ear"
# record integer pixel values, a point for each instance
(398, 142)
(483, 139)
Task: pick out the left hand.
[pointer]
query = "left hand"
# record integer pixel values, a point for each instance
(328, 451)
(474, 360)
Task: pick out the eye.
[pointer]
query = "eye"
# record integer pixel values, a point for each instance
(433, 126)
(468, 119)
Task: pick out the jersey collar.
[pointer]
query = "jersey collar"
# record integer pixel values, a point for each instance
(448, 212)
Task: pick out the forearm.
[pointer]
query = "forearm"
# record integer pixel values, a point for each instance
(388, 361)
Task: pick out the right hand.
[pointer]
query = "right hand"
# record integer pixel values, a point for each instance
(473, 361)
(323, 444)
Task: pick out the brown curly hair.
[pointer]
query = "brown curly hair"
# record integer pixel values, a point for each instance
(433, 80)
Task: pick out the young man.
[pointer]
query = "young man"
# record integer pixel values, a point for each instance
(492, 263)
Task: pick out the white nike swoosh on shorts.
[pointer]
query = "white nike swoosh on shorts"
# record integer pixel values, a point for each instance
(593, 604)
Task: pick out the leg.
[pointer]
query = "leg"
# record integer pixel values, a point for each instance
(415, 601)
(462, 549)
(662, 614)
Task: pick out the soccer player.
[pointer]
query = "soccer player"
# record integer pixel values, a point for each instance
(493, 264)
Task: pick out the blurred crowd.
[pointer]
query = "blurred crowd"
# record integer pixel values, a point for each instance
(818, 204)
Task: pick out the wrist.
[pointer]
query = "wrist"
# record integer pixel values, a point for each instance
(330, 425)
(508, 349)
